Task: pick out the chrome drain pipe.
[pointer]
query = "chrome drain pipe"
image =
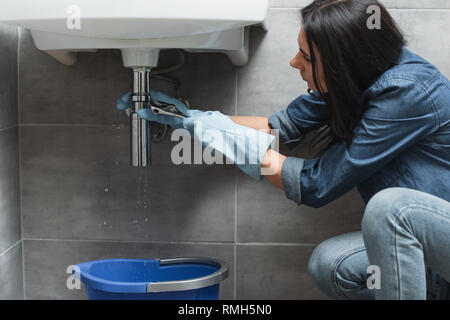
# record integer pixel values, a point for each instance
(140, 128)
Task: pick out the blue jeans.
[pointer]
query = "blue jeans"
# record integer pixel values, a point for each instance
(406, 233)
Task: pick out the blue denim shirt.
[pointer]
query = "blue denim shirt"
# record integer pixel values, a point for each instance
(402, 140)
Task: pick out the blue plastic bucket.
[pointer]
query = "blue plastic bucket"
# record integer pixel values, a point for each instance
(155, 279)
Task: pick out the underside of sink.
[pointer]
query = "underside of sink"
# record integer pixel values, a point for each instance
(63, 27)
(140, 29)
(233, 43)
(134, 19)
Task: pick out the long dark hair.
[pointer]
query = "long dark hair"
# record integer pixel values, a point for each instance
(353, 57)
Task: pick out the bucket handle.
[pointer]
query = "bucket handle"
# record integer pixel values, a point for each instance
(190, 284)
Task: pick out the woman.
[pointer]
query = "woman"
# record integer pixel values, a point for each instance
(383, 119)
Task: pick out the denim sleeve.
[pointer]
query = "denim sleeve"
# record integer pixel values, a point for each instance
(305, 113)
(395, 119)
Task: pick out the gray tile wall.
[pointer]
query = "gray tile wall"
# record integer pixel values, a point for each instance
(81, 200)
(11, 280)
(80, 193)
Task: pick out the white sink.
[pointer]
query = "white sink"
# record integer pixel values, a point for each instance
(140, 28)
(75, 25)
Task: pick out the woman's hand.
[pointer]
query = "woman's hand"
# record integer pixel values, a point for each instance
(271, 166)
(250, 136)
(125, 102)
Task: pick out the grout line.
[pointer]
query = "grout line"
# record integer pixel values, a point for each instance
(292, 244)
(235, 272)
(236, 75)
(8, 127)
(388, 8)
(235, 236)
(287, 8)
(281, 244)
(19, 137)
(236, 83)
(70, 124)
(418, 9)
(131, 241)
(10, 247)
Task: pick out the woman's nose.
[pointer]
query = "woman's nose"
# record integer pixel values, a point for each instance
(296, 63)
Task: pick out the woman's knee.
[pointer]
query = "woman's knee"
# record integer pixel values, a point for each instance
(319, 264)
(382, 211)
(320, 267)
(328, 261)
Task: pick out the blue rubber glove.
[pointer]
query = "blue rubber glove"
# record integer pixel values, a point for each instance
(125, 102)
(245, 146)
